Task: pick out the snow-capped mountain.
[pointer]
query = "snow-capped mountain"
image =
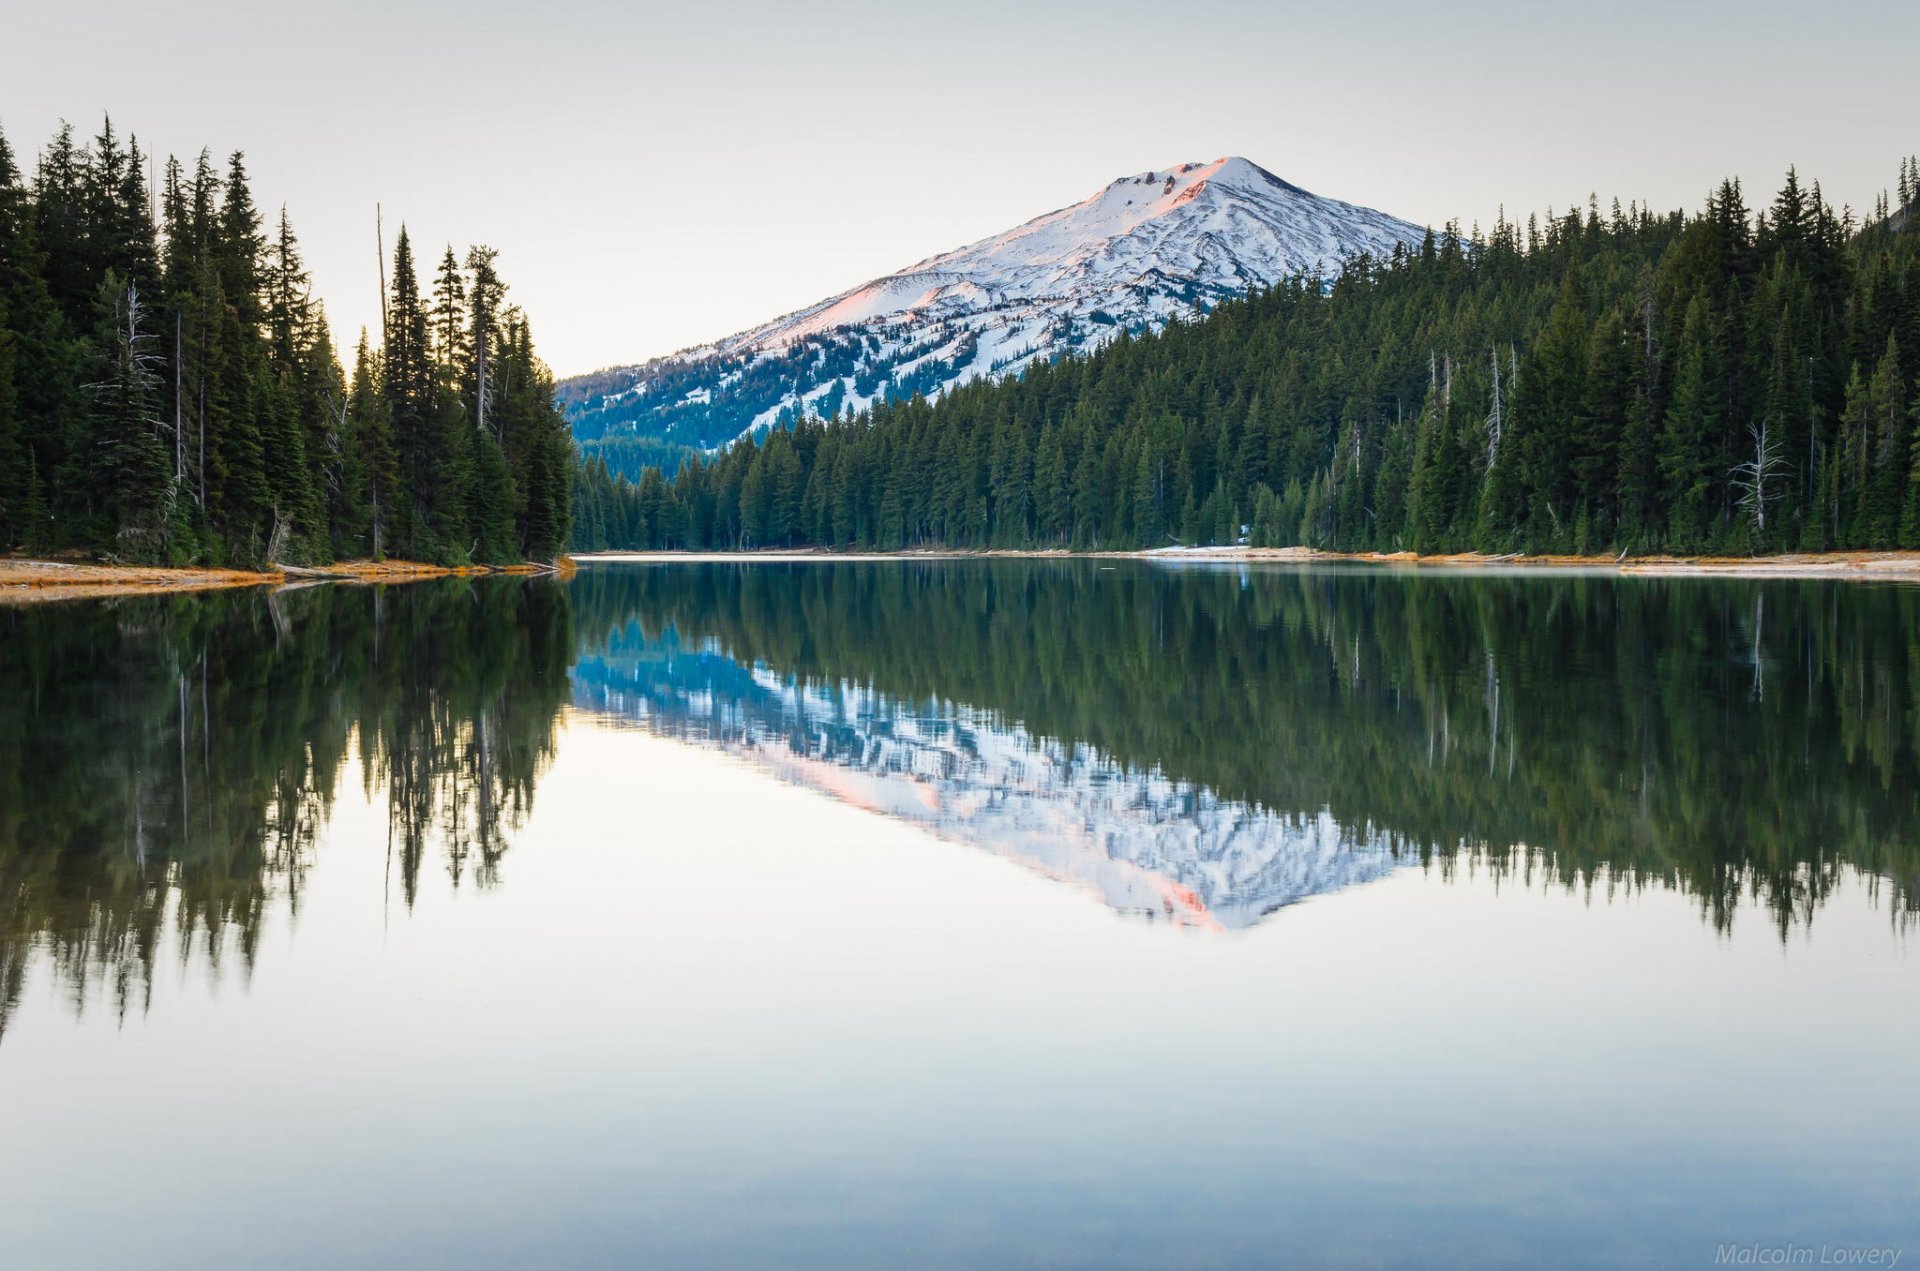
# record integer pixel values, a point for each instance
(1139, 840)
(1141, 251)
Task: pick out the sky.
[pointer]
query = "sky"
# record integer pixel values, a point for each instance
(656, 175)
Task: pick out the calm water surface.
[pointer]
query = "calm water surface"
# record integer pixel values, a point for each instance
(961, 914)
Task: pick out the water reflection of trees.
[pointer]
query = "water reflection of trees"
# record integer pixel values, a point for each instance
(166, 763)
(1742, 741)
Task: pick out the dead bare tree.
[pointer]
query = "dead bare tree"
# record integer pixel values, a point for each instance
(1751, 477)
(486, 293)
(130, 395)
(277, 541)
(1496, 416)
(179, 423)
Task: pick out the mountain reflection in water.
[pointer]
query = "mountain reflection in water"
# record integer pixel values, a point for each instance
(1201, 745)
(1212, 744)
(1144, 842)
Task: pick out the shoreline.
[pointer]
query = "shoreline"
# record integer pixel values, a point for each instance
(1892, 566)
(31, 581)
(28, 581)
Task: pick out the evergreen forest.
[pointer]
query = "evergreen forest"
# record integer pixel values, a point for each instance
(1736, 380)
(170, 391)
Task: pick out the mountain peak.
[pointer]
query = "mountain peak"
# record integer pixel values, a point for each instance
(1139, 252)
(1230, 171)
(1245, 173)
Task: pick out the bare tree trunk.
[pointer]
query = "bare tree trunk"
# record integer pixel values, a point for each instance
(1496, 418)
(179, 424)
(1750, 479)
(277, 540)
(380, 251)
(200, 382)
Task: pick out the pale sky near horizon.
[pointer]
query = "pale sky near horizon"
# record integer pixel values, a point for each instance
(657, 175)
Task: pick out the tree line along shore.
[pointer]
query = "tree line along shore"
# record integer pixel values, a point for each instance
(170, 393)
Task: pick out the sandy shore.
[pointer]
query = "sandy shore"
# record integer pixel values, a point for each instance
(1885, 566)
(1901, 566)
(24, 581)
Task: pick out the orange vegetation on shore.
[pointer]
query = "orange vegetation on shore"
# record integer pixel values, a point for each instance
(1903, 566)
(408, 570)
(23, 580)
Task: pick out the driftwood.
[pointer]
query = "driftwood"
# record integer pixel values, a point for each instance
(299, 571)
(348, 576)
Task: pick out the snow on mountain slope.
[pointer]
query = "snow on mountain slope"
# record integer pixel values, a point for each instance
(1145, 249)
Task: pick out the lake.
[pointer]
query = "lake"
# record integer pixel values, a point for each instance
(969, 913)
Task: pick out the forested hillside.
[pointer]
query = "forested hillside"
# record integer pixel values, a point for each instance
(1598, 380)
(169, 390)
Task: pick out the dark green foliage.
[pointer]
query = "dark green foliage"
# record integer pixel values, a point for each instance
(525, 422)
(429, 438)
(1590, 383)
(171, 393)
(16, 463)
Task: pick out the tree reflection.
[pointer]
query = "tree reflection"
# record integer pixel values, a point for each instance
(1743, 741)
(166, 763)
(1250, 736)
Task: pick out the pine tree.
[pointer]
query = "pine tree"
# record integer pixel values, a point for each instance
(1599, 428)
(429, 439)
(15, 449)
(1889, 441)
(293, 432)
(236, 402)
(15, 458)
(60, 226)
(1688, 439)
(451, 348)
(486, 296)
(368, 523)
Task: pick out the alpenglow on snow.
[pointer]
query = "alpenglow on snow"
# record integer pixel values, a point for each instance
(1145, 249)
